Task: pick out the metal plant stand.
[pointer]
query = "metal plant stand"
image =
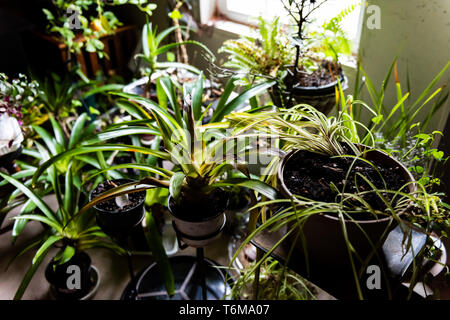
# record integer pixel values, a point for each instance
(196, 278)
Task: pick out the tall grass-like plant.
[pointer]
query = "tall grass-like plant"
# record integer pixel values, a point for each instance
(66, 231)
(153, 49)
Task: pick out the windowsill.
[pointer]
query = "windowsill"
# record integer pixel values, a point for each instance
(240, 29)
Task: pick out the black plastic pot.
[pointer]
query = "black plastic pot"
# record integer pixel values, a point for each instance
(325, 242)
(201, 229)
(61, 283)
(123, 224)
(322, 98)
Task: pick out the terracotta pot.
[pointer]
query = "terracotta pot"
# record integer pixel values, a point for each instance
(322, 98)
(197, 232)
(323, 233)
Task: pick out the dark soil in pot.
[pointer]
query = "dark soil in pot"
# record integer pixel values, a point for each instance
(59, 277)
(135, 198)
(310, 175)
(326, 74)
(316, 89)
(122, 224)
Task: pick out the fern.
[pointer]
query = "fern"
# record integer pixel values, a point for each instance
(261, 55)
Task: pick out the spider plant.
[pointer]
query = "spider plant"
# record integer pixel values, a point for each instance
(422, 211)
(276, 282)
(302, 127)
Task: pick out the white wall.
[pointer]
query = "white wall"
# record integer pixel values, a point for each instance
(418, 31)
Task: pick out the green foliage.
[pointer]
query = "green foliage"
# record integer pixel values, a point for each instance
(397, 130)
(153, 48)
(64, 15)
(263, 55)
(66, 231)
(198, 151)
(275, 283)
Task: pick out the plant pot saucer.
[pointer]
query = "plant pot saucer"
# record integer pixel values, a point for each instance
(149, 285)
(95, 282)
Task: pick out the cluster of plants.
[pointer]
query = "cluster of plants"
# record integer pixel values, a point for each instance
(70, 20)
(165, 137)
(300, 53)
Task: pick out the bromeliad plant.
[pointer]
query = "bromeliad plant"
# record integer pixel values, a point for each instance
(198, 152)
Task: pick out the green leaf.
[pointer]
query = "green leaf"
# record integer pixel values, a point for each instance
(33, 197)
(91, 149)
(224, 109)
(48, 14)
(170, 56)
(155, 243)
(40, 255)
(438, 155)
(58, 132)
(19, 225)
(376, 120)
(69, 196)
(176, 182)
(175, 15)
(48, 139)
(66, 255)
(169, 89)
(196, 93)
(256, 185)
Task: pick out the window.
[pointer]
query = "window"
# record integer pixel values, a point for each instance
(245, 11)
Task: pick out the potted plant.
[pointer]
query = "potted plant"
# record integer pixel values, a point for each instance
(72, 20)
(152, 51)
(331, 195)
(305, 64)
(199, 162)
(276, 282)
(70, 272)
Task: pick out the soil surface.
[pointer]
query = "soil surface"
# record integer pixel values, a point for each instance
(310, 175)
(327, 73)
(135, 198)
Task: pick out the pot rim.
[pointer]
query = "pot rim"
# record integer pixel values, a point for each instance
(204, 219)
(287, 192)
(116, 211)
